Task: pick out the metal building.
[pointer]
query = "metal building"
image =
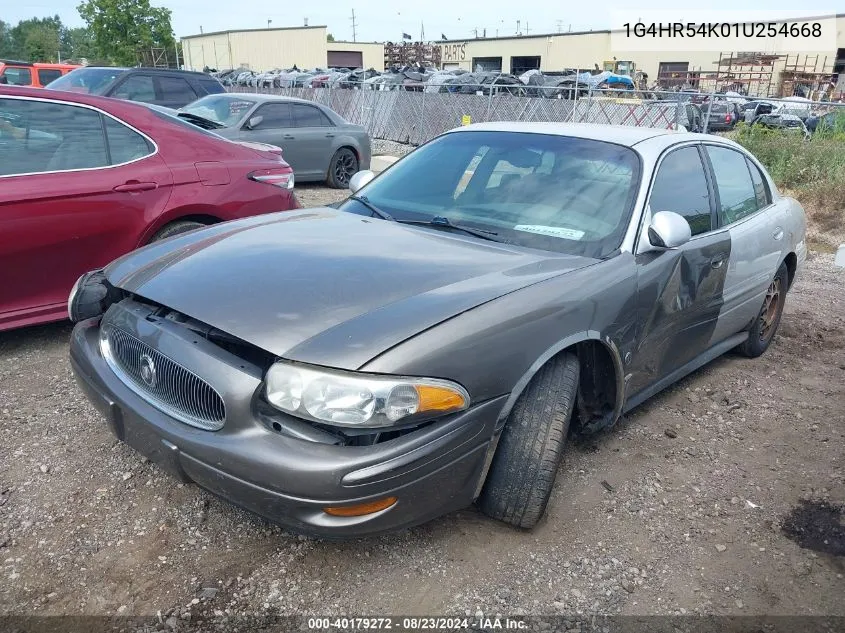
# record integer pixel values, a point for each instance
(266, 49)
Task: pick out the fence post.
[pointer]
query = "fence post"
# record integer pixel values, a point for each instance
(360, 92)
(677, 109)
(421, 128)
(710, 100)
(489, 102)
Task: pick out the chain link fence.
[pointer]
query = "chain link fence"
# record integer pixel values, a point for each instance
(416, 116)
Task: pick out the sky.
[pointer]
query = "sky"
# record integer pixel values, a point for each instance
(456, 20)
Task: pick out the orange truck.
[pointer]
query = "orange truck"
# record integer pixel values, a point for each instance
(36, 75)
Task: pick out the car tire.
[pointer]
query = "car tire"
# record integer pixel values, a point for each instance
(765, 326)
(342, 167)
(176, 228)
(530, 448)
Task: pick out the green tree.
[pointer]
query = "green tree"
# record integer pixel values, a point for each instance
(121, 27)
(329, 37)
(78, 43)
(7, 46)
(37, 39)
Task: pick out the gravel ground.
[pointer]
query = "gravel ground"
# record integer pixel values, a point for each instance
(710, 498)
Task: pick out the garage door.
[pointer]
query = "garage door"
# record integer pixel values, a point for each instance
(346, 59)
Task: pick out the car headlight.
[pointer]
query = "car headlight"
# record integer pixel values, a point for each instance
(360, 400)
(91, 296)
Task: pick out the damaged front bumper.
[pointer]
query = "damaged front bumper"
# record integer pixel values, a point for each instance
(430, 471)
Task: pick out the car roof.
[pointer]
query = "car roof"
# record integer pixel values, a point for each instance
(627, 135)
(104, 103)
(262, 98)
(150, 69)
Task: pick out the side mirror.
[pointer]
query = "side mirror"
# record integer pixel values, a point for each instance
(254, 122)
(360, 179)
(668, 230)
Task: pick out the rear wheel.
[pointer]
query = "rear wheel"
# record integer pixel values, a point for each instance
(766, 324)
(344, 165)
(530, 449)
(175, 228)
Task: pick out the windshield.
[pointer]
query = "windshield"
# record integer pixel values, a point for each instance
(88, 80)
(166, 116)
(551, 192)
(224, 109)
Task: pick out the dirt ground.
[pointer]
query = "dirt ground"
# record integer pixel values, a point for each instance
(722, 495)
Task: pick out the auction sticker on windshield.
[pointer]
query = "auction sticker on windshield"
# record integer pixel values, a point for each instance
(552, 231)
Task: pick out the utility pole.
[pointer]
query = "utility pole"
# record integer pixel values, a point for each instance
(354, 25)
(559, 26)
(269, 22)
(517, 27)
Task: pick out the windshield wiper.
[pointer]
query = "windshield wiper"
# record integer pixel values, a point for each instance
(200, 121)
(442, 221)
(384, 215)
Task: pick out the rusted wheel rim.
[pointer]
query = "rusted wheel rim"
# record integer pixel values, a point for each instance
(771, 308)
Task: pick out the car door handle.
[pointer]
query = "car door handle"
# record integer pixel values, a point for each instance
(778, 234)
(289, 136)
(329, 135)
(133, 186)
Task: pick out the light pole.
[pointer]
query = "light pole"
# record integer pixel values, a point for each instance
(269, 22)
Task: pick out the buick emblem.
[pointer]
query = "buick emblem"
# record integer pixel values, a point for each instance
(148, 370)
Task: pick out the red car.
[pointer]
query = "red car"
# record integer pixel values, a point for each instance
(85, 179)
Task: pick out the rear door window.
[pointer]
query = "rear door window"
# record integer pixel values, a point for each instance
(176, 90)
(737, 196)
(46, 75)
(39, 136)
(309, 116)
(136, 88)
(17, 76)
(761, 189)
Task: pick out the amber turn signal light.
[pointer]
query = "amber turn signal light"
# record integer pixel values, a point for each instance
(360, 509)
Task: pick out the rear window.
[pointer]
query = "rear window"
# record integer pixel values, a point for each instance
(46, 75)
(175, 120)
(16, 76)
(93, 81)
(211, 86)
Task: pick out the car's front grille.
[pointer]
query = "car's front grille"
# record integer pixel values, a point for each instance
(165, 383)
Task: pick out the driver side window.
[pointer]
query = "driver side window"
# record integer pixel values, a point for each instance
(680, 186)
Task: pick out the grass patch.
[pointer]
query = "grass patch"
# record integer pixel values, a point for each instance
(810, 170)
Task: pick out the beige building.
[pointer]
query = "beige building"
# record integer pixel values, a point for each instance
(590, 49)
(266, 49)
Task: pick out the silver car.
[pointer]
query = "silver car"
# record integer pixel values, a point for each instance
(317, 142)
(433, 340)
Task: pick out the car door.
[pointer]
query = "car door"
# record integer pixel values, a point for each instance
(744, 208)
(173, 92)
(679, 290)
(75, 188)
(276, 128)
(315, 135)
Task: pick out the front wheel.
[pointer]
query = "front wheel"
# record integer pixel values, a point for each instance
(343, 166)
(766, 324)
(530, 449)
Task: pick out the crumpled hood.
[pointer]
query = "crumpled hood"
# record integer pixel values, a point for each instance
(328, 287)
